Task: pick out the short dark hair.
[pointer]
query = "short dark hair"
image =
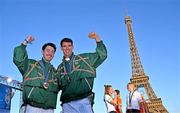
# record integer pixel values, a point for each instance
(49, 44)
(66, 40)
(117, 91)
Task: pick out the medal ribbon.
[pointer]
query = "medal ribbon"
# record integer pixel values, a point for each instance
(45, 71)
(68, 67)
(130, 97)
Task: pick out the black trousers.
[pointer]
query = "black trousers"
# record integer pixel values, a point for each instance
(112, 112)
(132, 111)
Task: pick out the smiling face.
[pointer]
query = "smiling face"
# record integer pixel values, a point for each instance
(48, 53)
(67, 49)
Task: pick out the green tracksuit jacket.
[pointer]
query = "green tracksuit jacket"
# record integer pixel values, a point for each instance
(33, 78)
(78, 83)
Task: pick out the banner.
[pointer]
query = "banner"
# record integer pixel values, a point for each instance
(5, 98)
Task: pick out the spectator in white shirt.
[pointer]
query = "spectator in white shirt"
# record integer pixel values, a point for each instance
(109, 101)
(133, 99)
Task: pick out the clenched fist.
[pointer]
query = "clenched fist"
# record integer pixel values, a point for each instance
(93, 35)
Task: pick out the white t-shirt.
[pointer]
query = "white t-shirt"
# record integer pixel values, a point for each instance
(110, 107)
(135, 99)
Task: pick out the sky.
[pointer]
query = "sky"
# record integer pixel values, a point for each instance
(155, 24)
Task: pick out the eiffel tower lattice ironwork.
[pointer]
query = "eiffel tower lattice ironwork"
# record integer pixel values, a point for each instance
(139, 78)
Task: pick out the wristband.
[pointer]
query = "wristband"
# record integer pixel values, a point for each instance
(27, 41)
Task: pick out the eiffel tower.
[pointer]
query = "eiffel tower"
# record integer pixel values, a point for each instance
(139, 78)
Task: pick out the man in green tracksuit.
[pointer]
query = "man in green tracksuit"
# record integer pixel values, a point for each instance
(77, 73)
(40, 84)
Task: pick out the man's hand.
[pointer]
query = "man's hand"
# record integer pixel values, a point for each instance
(93, 35)
(28, 39)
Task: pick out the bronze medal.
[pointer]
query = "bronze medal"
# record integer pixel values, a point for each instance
(45, 85)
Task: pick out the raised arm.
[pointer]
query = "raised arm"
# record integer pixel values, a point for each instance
(101, 53)
(20, 58)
